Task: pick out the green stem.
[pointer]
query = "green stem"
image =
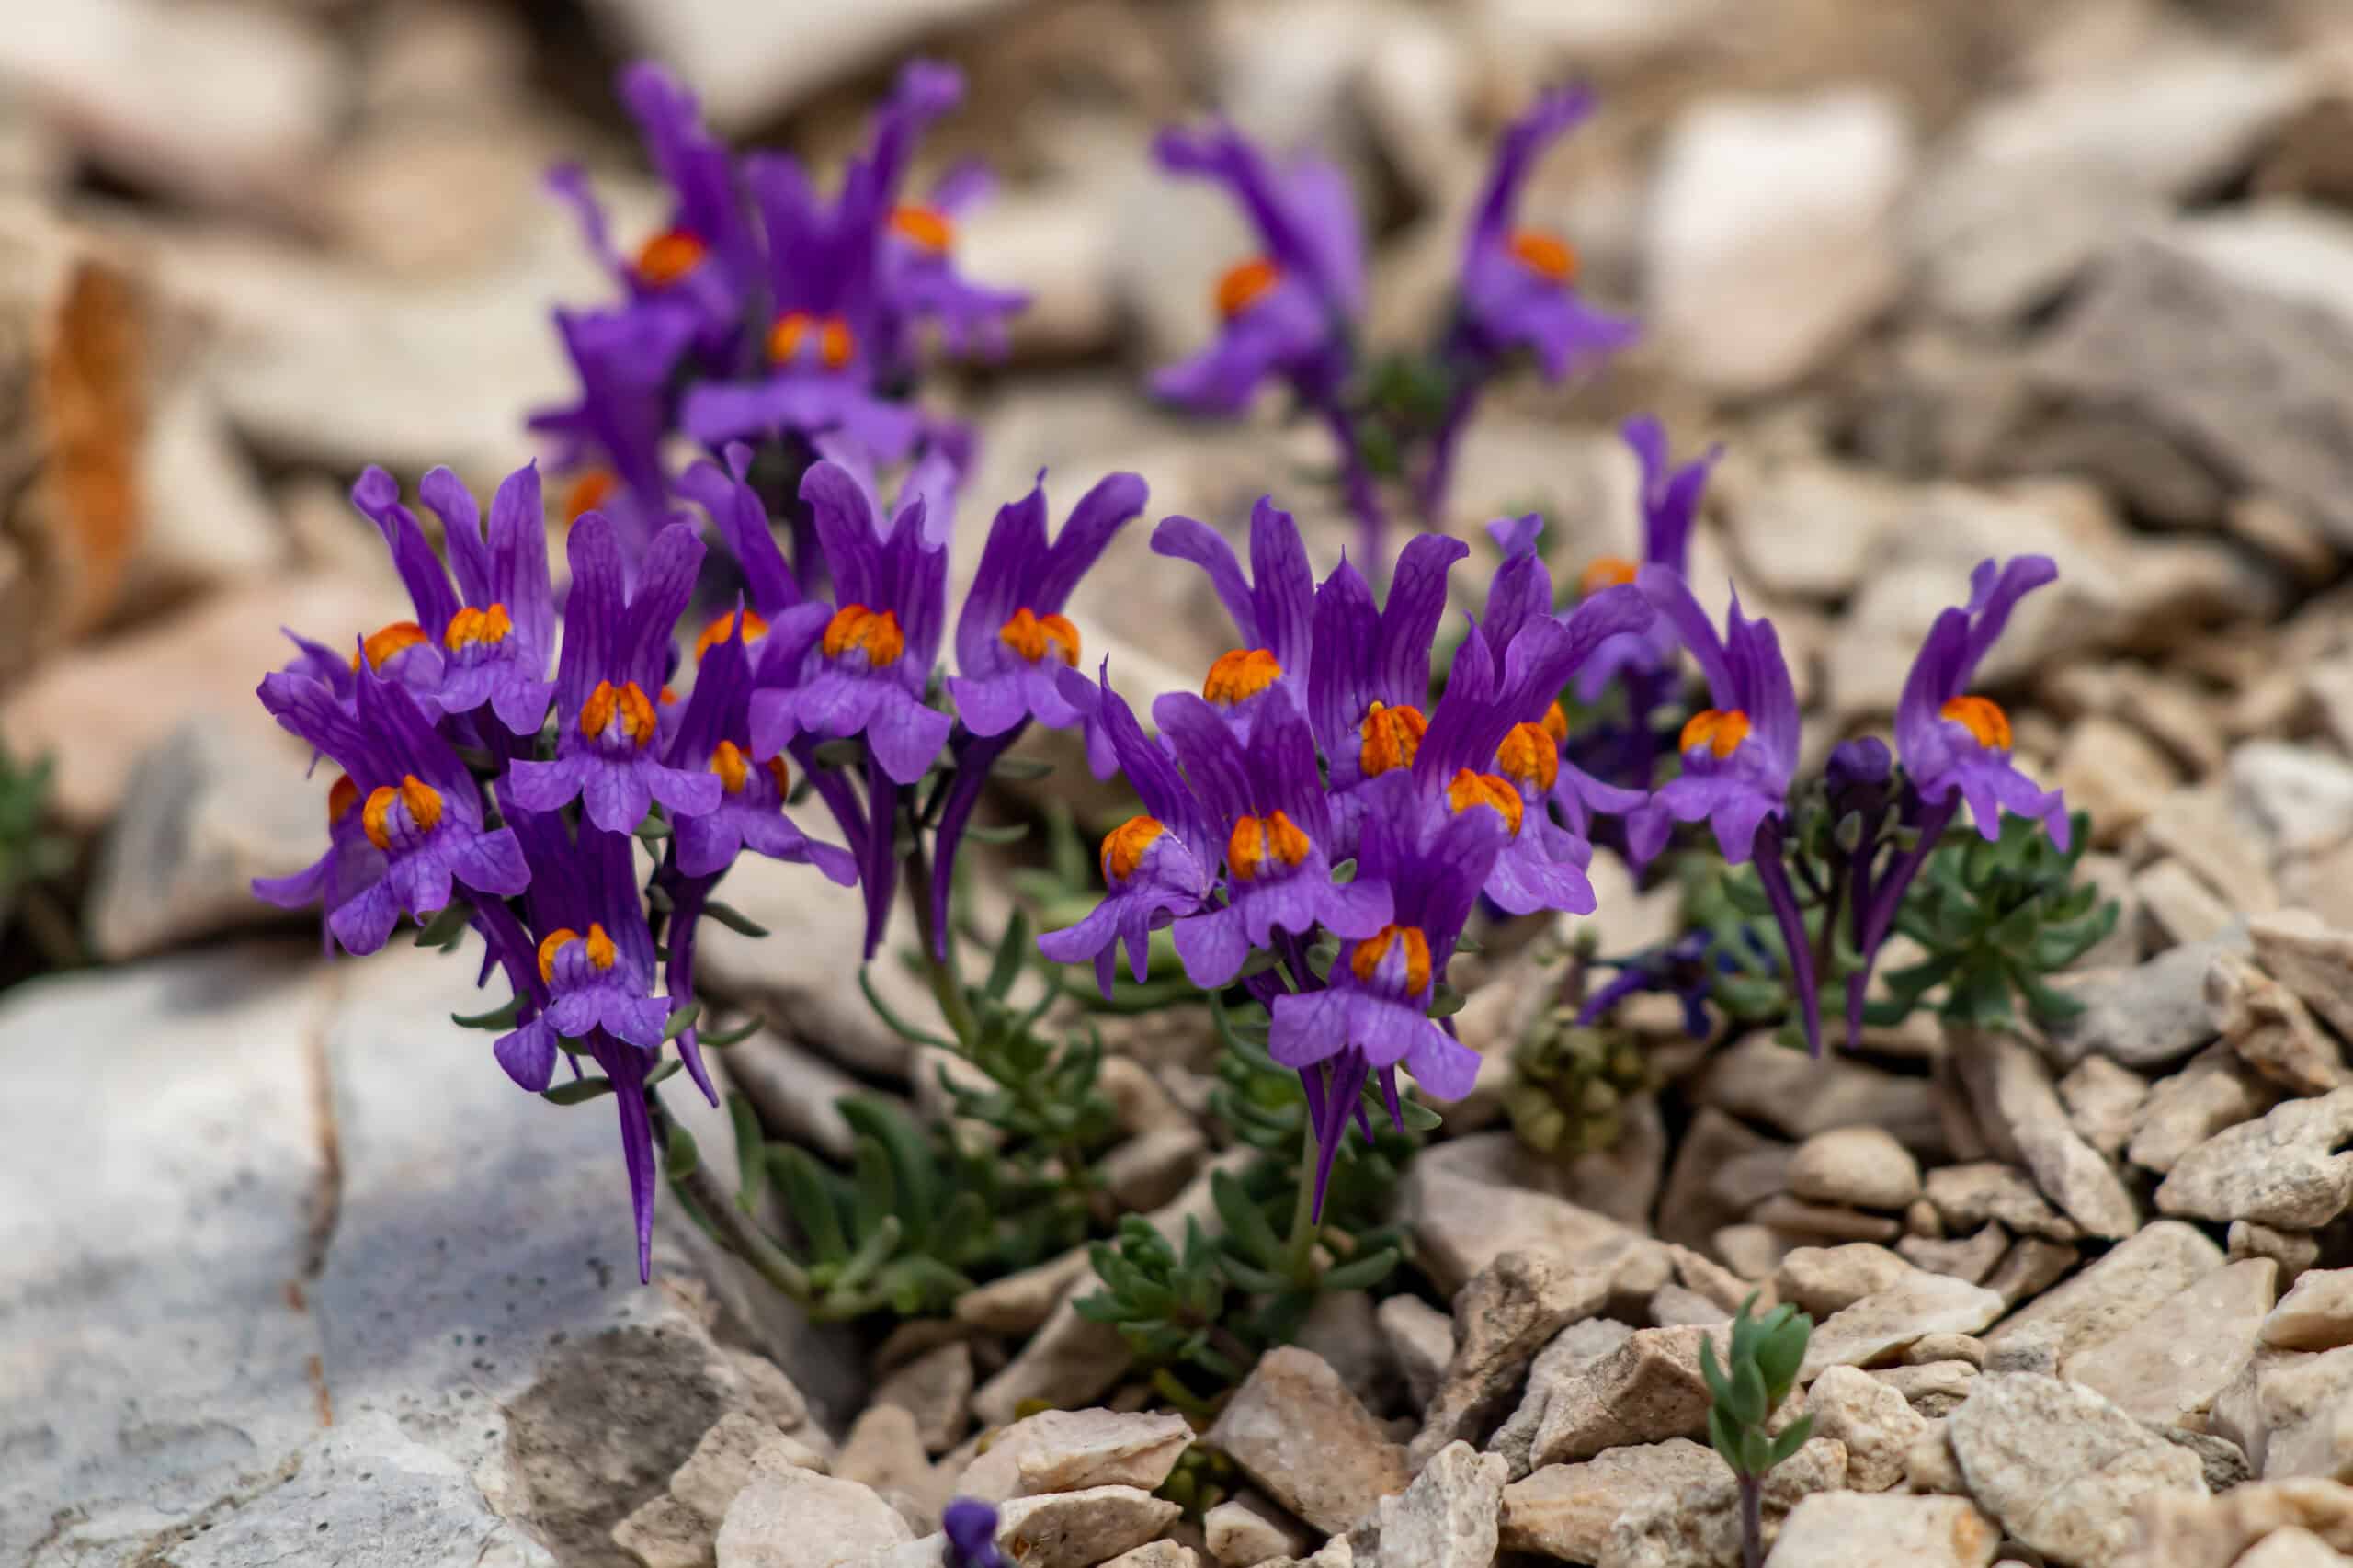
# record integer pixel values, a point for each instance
(946, 986)
(733, 1228)
(1304, 1226)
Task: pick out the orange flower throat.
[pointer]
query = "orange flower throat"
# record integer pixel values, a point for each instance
(1034, 636)
(1240, 674)
(1547, 256)
(668, 256)
(1374, 950)
(1982, 718)
(1256, 840)
(722, 629)
(420, 800)
(1604, 571)
(1245, 284)
(1719, 732)
(1124, 847)
(1471, 790)
(1391, 736)
(630, 701)
(874, 632)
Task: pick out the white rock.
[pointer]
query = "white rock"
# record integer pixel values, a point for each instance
(1069, 1451)
(1447, 1518)
(1873, 1419)
(2282, 1170)
(2060, 1467)
(2292, 1548)
(1422, 1339)
(1864, 1166)
(2168, 1367)
(2303, 794)
(1078, 1529)
(1846, 1530)
(1240, 1534)
(797, 1519)
(2216, 1091)
(2315, 1314)
(1700, 1528)
(1303, 1437)
(2018, 1109)
(1919, 1304)
(1566, 1510)
(1770, 241)
(2123, 1286)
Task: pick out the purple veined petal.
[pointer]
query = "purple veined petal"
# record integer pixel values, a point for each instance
(529, 1055)
(1671, 597)
(378, 495)
(1003, 582)
(1306, 1028)
(492, 863)
(1283, 587)
(665, 581)
(776, 722)
(1990, 609)
(421, 880)
(1443, 1066)
(635, 1021)
(518, 562)
(1291, 903)
(736, 509)
(574, 1014)
(1212, 759)
(1211, 946)
(614, 795)
(1095, 937)
(596, 615)
(1114, 501)
(519, 702)
(1285, 330)
(707, 845)
(366, 923)
(1347, 678)
(461, 534)
(989, 705)
(904, 736)
(546, 786)
(1185, 539)
(1356, 909)
(683, 793)
(1526, 881)
(834, 704)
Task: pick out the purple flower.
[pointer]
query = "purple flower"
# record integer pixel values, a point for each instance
(417, 805)
(1374, 1013)
(611, 439)
(1487, 746)
(350, 866)
(821, 342)
(594, 962)
(616, 654)
(1367, 690)
(706, 260)
(1157, 866)
(873, 660)
(496, 633)
(1275, 615)
(1266, 800)
(714, 733)
(920, 280)
(743, 524)
(1287, 310)
(1670, 501)
(971, 1526)
(1740, 753)
(1012, 638)
(1518, 285)
(1953, 741)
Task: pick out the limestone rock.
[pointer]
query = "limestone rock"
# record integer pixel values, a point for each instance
(1647, 1389)
(883, 1449)
(2147, 1017)
(1157, 1554)
(2311, 959)
(1849, 1529)
(2017, 1106)
(1503, 1318)
(1070, 1357)
(1765, 1082)
(2303, 1414)
(1700, 1528)
(1421, 1339)
(2060, 1467)
(734, 1450)
(1566, 1510)
(1875, 1421)
(2170, 1365)
(935, 1388)
(1556, 1366)
(1240, 1533)
(1297, 1432)
(1079, 1529)
(1968, 1196)
(2101, 1098)
(2315, 1314)
(1931, 1387)
(2292, 1548)
(1071, 1450)
(1447, 1518)
(2294, 1251)
(2217, 1090)
(2187, 1531)
(1462, 1219)
(2272, 1029)
(2117, 1291)
(1863, 1166)
(2282, 1170)
(1920, 1303)
(1822, 1280)
(1775, 214)
(797, 1519)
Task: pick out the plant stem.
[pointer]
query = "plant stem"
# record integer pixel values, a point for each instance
(1363, 493)
(1304, 1226)
(1752, 1521)
(946, 986)
(736, 1229)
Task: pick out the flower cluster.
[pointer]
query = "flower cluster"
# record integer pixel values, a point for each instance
(1313, 745)
(1292, 313)
(763, 311)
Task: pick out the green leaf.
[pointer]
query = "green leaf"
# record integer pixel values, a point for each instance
(1711, 1372)
(446, 926)
(679, 1155)
(499, 1018)
(1419, 1118)
(1756, 1451)
(720, 1039)
(1246, 1225)
(845, 753)
(894, 1023)
(877, 1195)
(1446, 1001)
(1006, 832)
(1361, 1273)
(746, 1120)
(1249, 1277)
(734, 919)
(1747, 1401)
(1021, 769)
(653, 829)
(809, 1201)
(680, 1020)
(913, 1177)
(1792, 1437)
(579, 1091)
(1723, 1436)
(1012, 952)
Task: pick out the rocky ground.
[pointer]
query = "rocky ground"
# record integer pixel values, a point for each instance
(292, 1273)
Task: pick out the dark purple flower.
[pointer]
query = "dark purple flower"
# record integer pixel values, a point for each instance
(715, 733)
(610, 441)
(821, 345)
(1274, 615)
(1682, 969)
(496, 634)
(1287, 310)
(1670, 501)
(706, 260)
(971, 1528)
(1740, 753)
(1265, 802)
(1369, 683)
(350, 866)
(1519, 285)
(873, 659)
(1858, 775)
(595, 975)
(616, 655)
(1953, 741)
(1156, 866)
(1374, 1013)
(417, 805)
(1487, 746)
(1012, 638)
(920, 280)
(743, 524)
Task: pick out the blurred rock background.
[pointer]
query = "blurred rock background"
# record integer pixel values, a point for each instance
(1949, 277)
